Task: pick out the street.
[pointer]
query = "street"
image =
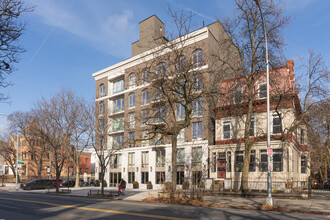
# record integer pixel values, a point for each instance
(22, 205)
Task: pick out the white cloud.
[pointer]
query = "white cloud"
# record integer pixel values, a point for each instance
(112, 33)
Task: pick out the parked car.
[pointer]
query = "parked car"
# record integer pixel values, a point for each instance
(59, 182)
(70, 183)
(37, 184)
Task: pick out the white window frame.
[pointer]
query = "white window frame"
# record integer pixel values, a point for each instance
(145, 117)
(197, 136)
(145, 97)
(118, 86)
(102, 90)
(145, 136)
(272, 123)
(180, 112)
(145, 77)
(102, 107)
(198, 107)
(226, 122)
(132, 100)
(197, 58)
(259, 85)
(131, 80)
(253, 119)
(131, 120)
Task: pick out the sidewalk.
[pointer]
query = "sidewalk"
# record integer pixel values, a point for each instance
(311, 205)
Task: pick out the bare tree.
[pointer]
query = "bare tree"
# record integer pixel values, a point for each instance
(245, 30)
(29, 130)
(12, 28)
(8, 152)
(56, 120)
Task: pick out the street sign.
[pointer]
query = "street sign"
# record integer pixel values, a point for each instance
(269, 151)
(71, 166)
(20, 162)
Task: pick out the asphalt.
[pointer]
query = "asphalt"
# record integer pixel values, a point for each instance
(319, 204)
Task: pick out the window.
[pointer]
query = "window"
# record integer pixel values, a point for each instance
(226, 129)
(238, 96)
(196, 156)
(131, 139)
(302, 136)
(197, 58)
(131, 98)
(102, 90)
(239, 158)
(145, 117)
(161, 69)
(180, 157)
(145, 137)
(118, 123)
(160, 114)
(145, 77)
(252, 166)
(145, 159)
(180, 137)
(303, 164)
(198, 82)
(132, 79)
(277, 124)
(131, 120)
(145, 97)
(86, 160)
(102, 142)
(131, 160)
(179, 177)
(180, 113)
(160, 158)
(277, 160)
(101, 106)
(102, 124)
(262, 91)
(198, 107)
(158, 139)
(118, 141)
(160, 177)
(263, 162)
(252, 127)
(214, 162)
(197, 130)
(144, 177)
(115, 161)
(228, 161)
(131, 177)
(197, 177)
(118, 86)
(118, 105)
(180, 64)
(86, 170)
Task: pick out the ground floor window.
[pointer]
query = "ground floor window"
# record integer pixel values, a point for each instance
(214, 162)
(144, 177)
(114, 178)
(303, 164)
(131, 177)
(160, 177)
(263, 161)
(197, 177)
(252, 166)
(277, 160)
(179, 177)
(239, 157)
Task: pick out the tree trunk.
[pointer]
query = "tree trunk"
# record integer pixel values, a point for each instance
(174, 164)
(245, 171)
(77, 176)
(102, 180)
(57, 178)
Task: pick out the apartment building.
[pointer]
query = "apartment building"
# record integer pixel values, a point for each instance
(123, 102)
(291, 165)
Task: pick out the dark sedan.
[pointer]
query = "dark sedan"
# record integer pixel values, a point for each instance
(37, 184)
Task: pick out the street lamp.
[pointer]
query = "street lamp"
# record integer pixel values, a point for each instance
(269, 199)
(16, 168)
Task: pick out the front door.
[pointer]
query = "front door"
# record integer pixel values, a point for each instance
(222, 168)
(115, 179)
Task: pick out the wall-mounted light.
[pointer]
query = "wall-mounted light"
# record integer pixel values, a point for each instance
(137, 169)
(150, 169)
(124, 169)
(169, 168)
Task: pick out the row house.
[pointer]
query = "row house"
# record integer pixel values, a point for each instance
(288, 136)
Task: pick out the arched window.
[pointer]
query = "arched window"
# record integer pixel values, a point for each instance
(102, 90)
(131, 98)
(180, 63)
(161, 69)
(145, 97)
(145, 77)
(197, 57)
(132, 80)
(101, 108)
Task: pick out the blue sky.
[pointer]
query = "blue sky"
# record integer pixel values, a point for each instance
(68, 40)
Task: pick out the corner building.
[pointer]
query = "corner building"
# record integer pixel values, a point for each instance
(123, 97)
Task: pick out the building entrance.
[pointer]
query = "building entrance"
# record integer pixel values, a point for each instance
(114, 179)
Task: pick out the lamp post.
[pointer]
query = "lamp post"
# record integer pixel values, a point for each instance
(269, 199)
(16, 168)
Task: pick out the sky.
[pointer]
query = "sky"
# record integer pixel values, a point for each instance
(66, 41)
